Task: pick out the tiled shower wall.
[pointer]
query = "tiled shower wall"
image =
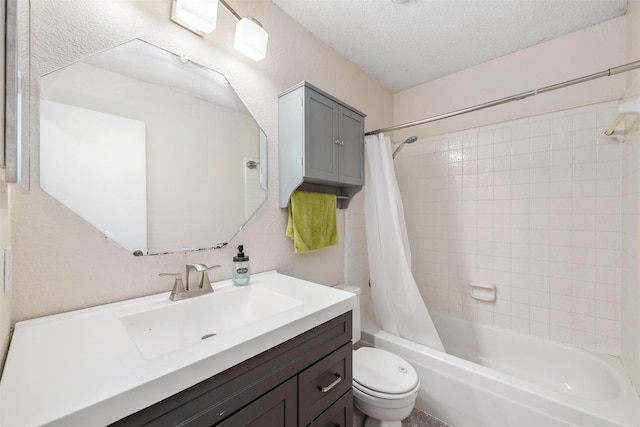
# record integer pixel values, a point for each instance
(630, 278)
(532, 206)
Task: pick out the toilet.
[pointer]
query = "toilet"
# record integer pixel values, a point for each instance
(385, 386)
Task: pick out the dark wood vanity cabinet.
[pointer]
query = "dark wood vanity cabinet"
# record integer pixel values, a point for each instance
(305, 381)
(276, 408)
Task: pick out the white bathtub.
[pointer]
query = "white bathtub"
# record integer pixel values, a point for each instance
(498, 378)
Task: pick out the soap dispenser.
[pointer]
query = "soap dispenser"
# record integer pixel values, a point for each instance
(240, 269)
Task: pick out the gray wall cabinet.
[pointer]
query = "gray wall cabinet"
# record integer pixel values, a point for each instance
(320, 145)
(305, 381)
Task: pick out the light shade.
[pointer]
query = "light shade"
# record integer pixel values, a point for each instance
(196, 15)
(251, 38)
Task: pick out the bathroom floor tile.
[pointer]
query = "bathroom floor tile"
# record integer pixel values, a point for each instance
(421, 419)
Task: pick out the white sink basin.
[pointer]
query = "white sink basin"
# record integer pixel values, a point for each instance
(204, 318)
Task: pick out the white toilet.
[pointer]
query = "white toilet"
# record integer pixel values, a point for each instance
(385, 386)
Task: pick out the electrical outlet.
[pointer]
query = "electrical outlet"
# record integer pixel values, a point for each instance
(7, 269)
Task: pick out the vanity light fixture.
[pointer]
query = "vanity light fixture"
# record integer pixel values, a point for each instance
(200, 16)
(251, 38)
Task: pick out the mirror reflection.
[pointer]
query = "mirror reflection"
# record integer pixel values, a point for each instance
(157, 152)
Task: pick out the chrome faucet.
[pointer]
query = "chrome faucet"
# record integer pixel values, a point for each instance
(203, 287)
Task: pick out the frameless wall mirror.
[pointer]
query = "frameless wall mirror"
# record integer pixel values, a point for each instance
(15, 156)
(157, 152)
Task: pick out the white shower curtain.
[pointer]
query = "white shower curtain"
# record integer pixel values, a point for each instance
(397, 303)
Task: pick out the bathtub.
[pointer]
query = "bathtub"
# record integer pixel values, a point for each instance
(492, 377)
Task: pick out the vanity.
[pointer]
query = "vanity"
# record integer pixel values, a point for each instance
(134, 134)
(276, 352)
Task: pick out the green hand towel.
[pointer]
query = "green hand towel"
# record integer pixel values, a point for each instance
(312, 221)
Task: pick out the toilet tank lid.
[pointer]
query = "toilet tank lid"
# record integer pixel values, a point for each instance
(383, 371)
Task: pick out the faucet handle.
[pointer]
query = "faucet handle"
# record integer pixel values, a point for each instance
(178, 286)
(205, 273)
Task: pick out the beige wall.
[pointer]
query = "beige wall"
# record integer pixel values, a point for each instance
(632, 33)
(591, 50)
(61, 263)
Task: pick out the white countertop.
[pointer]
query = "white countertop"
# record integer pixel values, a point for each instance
(81, 368)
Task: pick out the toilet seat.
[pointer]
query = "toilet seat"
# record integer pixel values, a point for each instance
(382, 374)
(386, 396)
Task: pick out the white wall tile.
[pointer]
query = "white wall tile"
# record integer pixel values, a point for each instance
(534, 207)
(520, 161)
(609, 152)
(584, 171)
(562, 141)
(584, 138)
(502, 135)
(520, 146)
(605, 116)
(520, 131)
(586, 120)
(542, 127)
(561, 124)
(541, 159)
(540, 144)
(585, 154)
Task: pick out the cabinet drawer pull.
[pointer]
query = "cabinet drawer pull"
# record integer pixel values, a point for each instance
(334, 383)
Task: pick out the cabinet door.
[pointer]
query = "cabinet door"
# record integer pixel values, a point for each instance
(351, 131)
(278, 408)
(321, 134)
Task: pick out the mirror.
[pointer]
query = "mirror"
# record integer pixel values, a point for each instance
(157, 152)
(14, 158)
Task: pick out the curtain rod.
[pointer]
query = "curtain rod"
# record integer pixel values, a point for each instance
(610, 72)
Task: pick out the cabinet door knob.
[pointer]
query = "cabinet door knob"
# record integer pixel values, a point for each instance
(334, 383)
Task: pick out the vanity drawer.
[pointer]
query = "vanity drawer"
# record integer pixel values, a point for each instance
(320, 385)
(340, 414)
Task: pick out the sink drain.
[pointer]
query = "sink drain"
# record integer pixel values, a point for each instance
(205, 336)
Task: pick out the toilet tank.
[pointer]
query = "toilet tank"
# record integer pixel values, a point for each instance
(356, 311)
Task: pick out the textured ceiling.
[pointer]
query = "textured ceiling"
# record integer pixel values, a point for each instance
(407, 42)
